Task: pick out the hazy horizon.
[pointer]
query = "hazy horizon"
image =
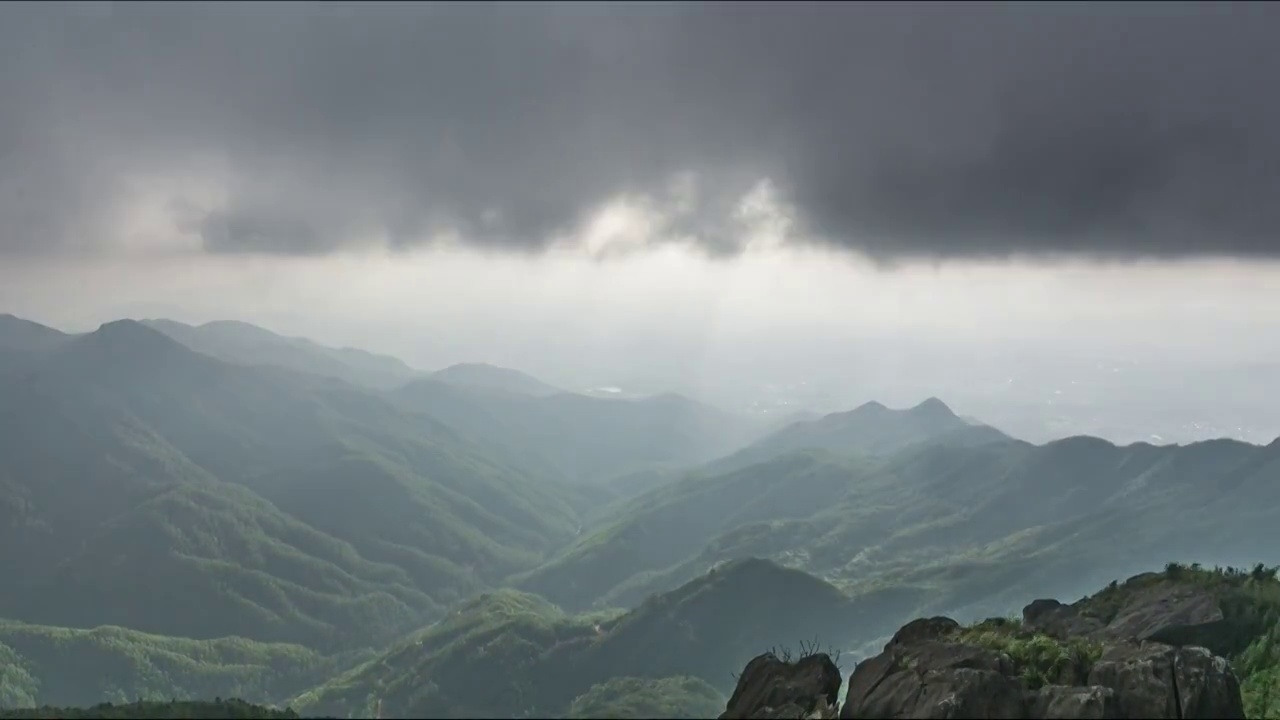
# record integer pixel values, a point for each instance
(972, 381)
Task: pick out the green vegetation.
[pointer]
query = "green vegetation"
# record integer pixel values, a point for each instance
(546, 659)
(291, 537)
(453, 667)
(147, 486)
(509, 652)
(661, 528)
(1038, 659)
(966, 523)
(1248, 634)
(1259, 670)
(17, 687)
(1249, 599)
(628, 697)
(66, 667)
(216, 710)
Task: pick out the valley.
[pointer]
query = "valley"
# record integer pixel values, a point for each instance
(191, 513)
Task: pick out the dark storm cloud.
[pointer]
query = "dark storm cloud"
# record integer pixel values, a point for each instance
(894, 129)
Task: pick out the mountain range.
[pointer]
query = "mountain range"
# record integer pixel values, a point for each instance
(218, 510)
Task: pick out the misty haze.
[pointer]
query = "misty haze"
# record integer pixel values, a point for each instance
(585, 360)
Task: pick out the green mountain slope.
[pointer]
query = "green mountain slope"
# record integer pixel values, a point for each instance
(220, 561)
(202, 710)
(549, 661)
(62, 667)
(245, 344)
(629, 697)
(511, 654)
(282, 506)
(663, 527)
(962, 526)
(259, 530)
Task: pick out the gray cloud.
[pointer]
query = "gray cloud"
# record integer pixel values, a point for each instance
(897, 130)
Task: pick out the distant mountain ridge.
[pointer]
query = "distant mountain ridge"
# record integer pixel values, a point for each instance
(931, 518)
(21, 340)
(17, 333)
(492, 377)
(245, 344)
(871, 428)
(533, 423)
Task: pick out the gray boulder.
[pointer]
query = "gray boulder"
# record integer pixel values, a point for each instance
(769, 688)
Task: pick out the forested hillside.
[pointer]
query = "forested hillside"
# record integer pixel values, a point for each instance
(954, 526)
(179, 527)
(145, 485)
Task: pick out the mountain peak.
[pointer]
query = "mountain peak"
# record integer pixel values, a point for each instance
(241, 329)
(117, 327)
(232, 325)
(130, 336)
(459, 367)
(24, 336)
(871, 407)
(7, 319)
(933, 407)
(163, 323)
(14, 324)
(494, 377)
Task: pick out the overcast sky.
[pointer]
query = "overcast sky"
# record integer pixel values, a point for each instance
(630, 184)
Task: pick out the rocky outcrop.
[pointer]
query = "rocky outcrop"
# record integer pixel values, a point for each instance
(1162, 610)
(808, 689)
(1147, 607)
(924, 673)
(1100, 658)
(1130, 652)
(1060, 621)
(950, 677)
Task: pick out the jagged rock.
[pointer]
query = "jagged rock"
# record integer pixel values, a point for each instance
(1058, 702)
(1155, 680)
(1145, 649)
(808, 689)
(1166, 613)
(1142, 676)
(1206, 685)
(924, 629)
(932, 678)
(926, 672)
(1057, 620)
